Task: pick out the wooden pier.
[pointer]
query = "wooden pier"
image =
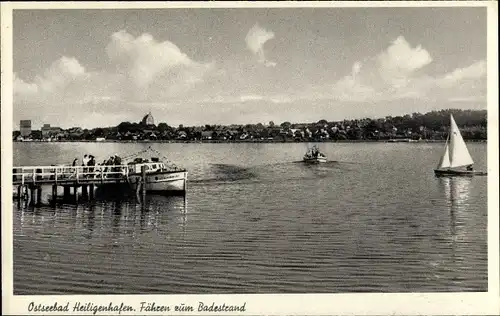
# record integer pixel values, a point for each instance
(30, 181)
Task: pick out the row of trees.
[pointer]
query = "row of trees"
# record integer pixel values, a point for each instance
(431, 125)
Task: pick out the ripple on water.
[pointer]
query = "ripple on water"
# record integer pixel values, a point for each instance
(375, 221)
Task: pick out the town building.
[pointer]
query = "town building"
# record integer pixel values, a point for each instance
(48, 130)
(25, 128)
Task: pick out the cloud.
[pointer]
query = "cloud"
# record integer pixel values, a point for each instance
(401, 56)
(145, 74)
(255, 39)
(280, 99)
(348, 89)
(356, 68)
(154, 70)
(252, 97)
(400, 60)
(143, 58)
(142, 69)
(398, 73)
(383, 76)
(21, 87)
(57, 77)
(474, 71)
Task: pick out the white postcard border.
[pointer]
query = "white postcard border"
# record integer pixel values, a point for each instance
(269, 304)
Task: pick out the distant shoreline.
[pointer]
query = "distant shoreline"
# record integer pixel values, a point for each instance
(249, 141)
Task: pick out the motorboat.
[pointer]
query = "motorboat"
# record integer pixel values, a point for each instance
(314, 155)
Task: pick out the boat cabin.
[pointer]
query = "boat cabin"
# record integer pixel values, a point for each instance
(151, 166)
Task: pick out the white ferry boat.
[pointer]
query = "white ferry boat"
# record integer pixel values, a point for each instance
(159, 177)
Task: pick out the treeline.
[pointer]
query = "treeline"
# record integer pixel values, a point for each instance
(429, 126)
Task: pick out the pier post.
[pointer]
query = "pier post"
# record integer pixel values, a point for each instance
(39, 195)
(91, 191)
(67, 192)
(75, 191)
(54, 193)
(33, 192)
(39, 177)
(85, 194)
(143, 172)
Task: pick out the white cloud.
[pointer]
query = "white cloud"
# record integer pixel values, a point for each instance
(348, 89)
(21, 87)
(57, 77)
(397, 73)
(228, 99)
(400, 60)
(356, 68)
(144, 70)
(476, 70)
(255, 39)
(149, 74)
(280, 99)
(143, 58)
(251, 97)
(467, 99)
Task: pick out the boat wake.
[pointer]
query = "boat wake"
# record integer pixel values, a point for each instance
(323, 163)
(223, 173)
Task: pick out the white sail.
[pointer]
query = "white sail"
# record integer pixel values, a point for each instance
(458, 153)
(444, 162)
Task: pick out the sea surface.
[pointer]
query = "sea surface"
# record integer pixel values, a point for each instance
(255, 220)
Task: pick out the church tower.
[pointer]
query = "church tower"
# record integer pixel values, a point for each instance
(148, 120)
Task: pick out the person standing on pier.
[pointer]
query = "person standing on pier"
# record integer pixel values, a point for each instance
(109, 162)
(91, 164)
(85, 161)
(75, 164)
(117, 161)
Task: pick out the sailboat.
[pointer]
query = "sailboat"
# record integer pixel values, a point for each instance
(456, 159)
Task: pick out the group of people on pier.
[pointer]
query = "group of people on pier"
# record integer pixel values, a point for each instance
(89, 163)
(88, 160)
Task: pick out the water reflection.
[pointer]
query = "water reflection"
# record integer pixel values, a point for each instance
(116, 217)
(156, 213)
(392, 227)
(158, 208)
(457, 192)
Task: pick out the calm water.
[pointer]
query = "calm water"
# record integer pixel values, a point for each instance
(255, 221)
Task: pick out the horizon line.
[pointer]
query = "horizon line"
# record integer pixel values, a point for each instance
(249, 123)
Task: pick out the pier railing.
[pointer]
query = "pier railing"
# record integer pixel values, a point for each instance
(69, 174)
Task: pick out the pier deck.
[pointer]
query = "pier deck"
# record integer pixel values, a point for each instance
(76, 180)
(69, 175)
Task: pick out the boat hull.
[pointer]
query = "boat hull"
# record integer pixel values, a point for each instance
(458, 173)
(315, 160)
(159, 182)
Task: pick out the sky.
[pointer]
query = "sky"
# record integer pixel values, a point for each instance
(97, 68)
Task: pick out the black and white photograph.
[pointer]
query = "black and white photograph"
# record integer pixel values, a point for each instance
(239, 149)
